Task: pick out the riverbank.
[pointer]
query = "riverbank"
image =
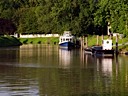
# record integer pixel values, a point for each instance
(44, 40)
(9, 41)
(92, 40)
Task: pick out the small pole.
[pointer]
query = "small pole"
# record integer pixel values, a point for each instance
(83, 42)
(97, 40)
(110, 36)
(102, 39)
(116, 44)
(86, 38)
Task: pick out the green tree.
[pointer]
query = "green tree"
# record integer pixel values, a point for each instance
(7, 27)
(44, 19)
(54, 16)
(113, 11)
(119, 14)
(74, 15)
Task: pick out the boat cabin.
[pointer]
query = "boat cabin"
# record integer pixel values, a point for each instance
(107, 44)
(66, 37)
(67, 33)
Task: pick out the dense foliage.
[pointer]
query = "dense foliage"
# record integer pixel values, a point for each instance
(54, 16)
(7, 27)
(115, 12)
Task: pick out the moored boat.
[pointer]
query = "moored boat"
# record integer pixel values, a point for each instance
(67, 40)
(104, 50)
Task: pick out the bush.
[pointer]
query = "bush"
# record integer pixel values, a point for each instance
(9, 41)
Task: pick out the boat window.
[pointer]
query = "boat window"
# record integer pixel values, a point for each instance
(107, 42)
(70, 39)
(64, 39)
(67, 39)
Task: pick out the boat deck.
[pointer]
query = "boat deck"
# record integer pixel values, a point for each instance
(98, 51)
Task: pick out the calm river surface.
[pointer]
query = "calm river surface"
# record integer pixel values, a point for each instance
(46, 70)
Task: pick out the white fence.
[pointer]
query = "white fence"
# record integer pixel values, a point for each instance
(36, 35)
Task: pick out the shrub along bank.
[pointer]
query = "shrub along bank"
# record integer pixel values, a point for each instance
(9, 41)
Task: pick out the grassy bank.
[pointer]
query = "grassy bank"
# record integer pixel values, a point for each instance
(44, 40)
(9, 41)
(92, 40)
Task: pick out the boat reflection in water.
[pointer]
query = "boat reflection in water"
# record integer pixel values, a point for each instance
(64, 58)
(105, 66)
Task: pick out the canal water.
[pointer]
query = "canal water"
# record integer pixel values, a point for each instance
(46, 70)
